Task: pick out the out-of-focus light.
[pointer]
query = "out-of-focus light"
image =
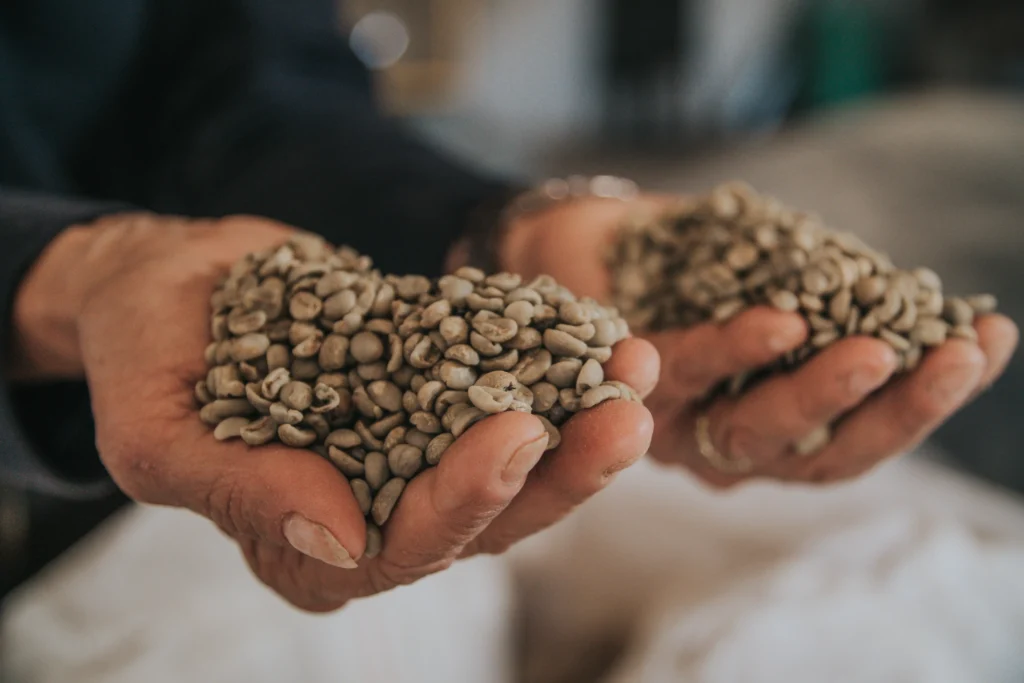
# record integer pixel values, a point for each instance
(379, 39)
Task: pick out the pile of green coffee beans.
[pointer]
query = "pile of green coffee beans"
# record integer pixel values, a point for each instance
(734, 249)
(314, 348)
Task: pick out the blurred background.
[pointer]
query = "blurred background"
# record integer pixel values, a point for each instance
(902, 120)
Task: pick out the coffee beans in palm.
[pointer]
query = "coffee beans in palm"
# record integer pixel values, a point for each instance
(733, 249)
(380, 374)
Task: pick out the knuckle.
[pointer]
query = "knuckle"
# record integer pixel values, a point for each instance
(387, 573)
(223, 503)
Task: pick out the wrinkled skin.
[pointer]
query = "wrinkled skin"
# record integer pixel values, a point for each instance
(763, 424)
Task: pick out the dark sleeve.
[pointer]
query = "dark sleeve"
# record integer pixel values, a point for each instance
(46, 433)
(265, 110)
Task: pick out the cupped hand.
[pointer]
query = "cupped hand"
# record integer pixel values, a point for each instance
(761, 427)
(142, 328)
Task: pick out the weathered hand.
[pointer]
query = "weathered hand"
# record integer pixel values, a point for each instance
(569, 242)
(140, 301)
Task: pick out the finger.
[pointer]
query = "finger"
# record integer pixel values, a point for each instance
(901, 416)
(596, 444)
(446, 507)
(998, 337)
(764, 424)
(694, 360)
(636, 362)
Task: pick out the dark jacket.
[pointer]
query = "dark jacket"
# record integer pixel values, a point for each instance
(194, 107)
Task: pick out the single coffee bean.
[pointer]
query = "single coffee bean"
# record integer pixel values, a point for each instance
(869, 323)
(524, 294)
(584, 332)
(476, 302)
(385, 394)
(839, 306)
(225, 381)
(415, 437)
(301, 331)
(964, 332)
(563, 373)
(982, 304)
(929, 303)
(463, 353)
(349, 325)
(374, 541)
(870, 290)
(912, 357)
(249, 347)
(456, 376)
(411, 287)
(958, 311)
(545, 395)
(605, 333)
(591, 375)
(395, 436)
(890, 306)
(296, 395)
(348, 465)
(852, 321)
(428, 423)
(241, 322)
(259, 432)
(405, 461)
(570, 400)
(376, 468)
(563, 344)
(386, 499)
(822, 339)
(498, 379)
(554, 436)
(466, 419)
(811, 303)
(282, 414)
(379, 327)
(526, 338)
(305, 306)
(483, 345)
(505, 361)
(435, 313)
(305, 369)
(490, 400)
(278, 356)
(784, 301)
(382, 427)
(383, 301)
(905, 321)
(230, 428)
(319, 425)
(215, 412)
(454, 329)
(291, 435)
(333, 352)
(544, 315)
(338, 305)
(404, 375)
(364, 498)
(495, 330)
(366, 347)
(436, 448)
(255, 397)
(204, 395)
(519, 311)
(219, 328)
(532, 367)
(727, 310)
(345, 439)
(929, 332)
(428, 393)
(598, 394)
(449, 398)
(899, 343)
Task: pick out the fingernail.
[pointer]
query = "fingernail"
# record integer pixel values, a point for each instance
(314, 540)
(524, 460)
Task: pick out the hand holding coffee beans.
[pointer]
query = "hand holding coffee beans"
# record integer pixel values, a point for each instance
(735, 250)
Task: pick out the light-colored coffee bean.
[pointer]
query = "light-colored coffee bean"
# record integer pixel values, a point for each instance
(410, 287)
(301, 331)
(278, 357)
(519, 311)
(365, 405)
(852, 321)
(230, 428)
(249, 346)
(584, 332)
(890, 306)
(333, 352)
(219, 328)
(544, 314)
(526, 338)
(573, 313)
(435, 313)
(811, 303)
(563, 373)
(964, 332)
(569, 400)
(449, 398)
(524, 294)
(338, 305)
(907, 318)
(348, 465)
(293, 436)
(385, 394)
(376, 468)
(554, 436)
(454, 329)
(405, 461)
(463, 353)
(415, 437)
(333, 282)
(563, 344)
(305, 306)
(274, 382)
(210, 354)
(599, 394)
(483, 345)
(203, 395)
(532, 367)
(605, 333)
(504, 361)
(240, 321)
(225, 381)
(449, 416)
(466, 419)
(366, 347)
(364, 498)
(382, 427)
(383, 301)
(495, 330)
(428, 423)
(386, 499)
(839, 305)
(349, 325)
(395, 436)
(929, 303)
(296, 395)
(727, 310)
(437, 447)
(602, 354)
(282, 414)
(894, 340)
(428, 393)
(456, 375)
(259, 432)
(471, 274)
(345, 439)
(982, 304)
(217, 411)
(870, 290)
(455, 289)
(411, 325)
(742, 256)
(869, 323)
(958, 311)
(822, 339)
(929, 332)
(374, 541)
(506, 282)
(499, 379)
(410, 401)
(380, 327)
(784, 301)
(416, 383)
(490, 400)
(591, 375)
(477, 302)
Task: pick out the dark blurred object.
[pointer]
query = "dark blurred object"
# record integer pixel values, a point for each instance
(643, 53)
